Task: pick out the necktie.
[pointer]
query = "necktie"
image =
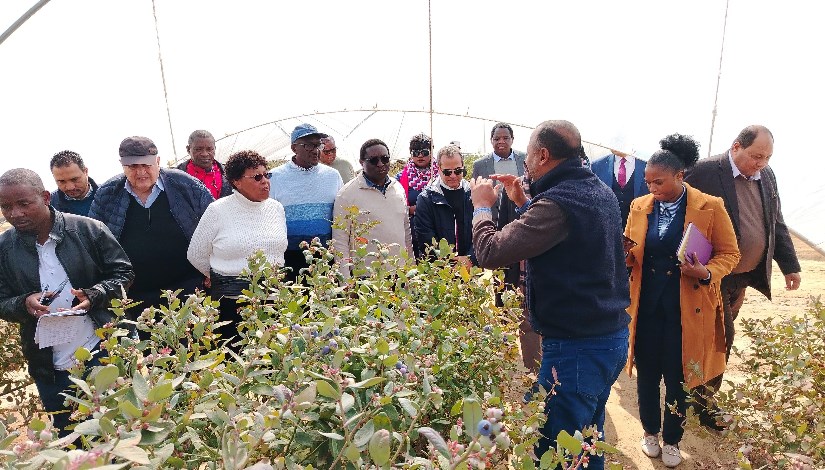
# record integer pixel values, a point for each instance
(622, 173)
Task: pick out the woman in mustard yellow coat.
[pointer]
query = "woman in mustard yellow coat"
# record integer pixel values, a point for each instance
(677, 331)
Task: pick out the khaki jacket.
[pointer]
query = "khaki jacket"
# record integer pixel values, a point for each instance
(703, 328)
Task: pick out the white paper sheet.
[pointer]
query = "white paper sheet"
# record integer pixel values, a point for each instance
(58, 327)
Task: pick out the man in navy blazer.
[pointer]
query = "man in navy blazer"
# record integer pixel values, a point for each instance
(609, 170)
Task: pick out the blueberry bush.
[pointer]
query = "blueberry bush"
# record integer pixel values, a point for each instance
(405, 365)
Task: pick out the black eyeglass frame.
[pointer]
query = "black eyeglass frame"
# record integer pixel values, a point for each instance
(422, 152)
(374, 160)
(450, 171)
(259, 176)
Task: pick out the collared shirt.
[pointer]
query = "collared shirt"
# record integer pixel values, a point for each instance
(156, 189)
(736, 171)
(52, 274)
(212, 179)
(629, 166)
(382, 188)
(512, 156)
(85, 196)
(667, 210)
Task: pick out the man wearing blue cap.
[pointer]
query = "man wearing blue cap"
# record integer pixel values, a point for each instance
(307, 191)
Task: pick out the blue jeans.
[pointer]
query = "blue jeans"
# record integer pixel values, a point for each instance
(586, 369)
(51, 393)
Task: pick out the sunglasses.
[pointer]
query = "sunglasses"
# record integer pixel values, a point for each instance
(422, 152)
(330, 151)
(259, 176)
(457, 171)
(374, 160)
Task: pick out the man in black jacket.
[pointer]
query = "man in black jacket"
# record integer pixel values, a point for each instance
(444, 210)
(44, 250)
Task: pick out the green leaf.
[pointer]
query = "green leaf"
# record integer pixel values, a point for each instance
(605, 447)
(263, 389)
(363, 435)
(106, 376)
(129, 409)
(352, 453)
(132, 453)
(160, 392)
(198, 365)
(408, 407)
(547, 459)
(569, 443)
(390, 361)
(327, 390)
(82, 354)
(436, 440)
(382, 346)
(457, 407)
(472, 415)
(348, 401)
(36, 425)
(106, 426)
(140, 386)
(382, 421)
(90, 427)
(332, 435)
(368, 383)
(379, 447)
(308, 394)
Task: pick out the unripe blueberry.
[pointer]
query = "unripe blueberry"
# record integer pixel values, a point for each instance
(484, 427)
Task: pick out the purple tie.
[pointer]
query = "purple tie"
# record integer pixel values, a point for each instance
(622, 173)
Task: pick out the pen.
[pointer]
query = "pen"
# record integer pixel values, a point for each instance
(48, 300)
(43, 295)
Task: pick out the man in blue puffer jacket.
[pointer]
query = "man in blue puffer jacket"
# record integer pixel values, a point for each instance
(153, 212)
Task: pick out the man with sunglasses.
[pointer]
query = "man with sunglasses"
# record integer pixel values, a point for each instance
(329, 157)
(378, 198)
(444, 209)
(307, 191)
(152, 211)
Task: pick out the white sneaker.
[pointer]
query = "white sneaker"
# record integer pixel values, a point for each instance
(671, 456)
(650, 446)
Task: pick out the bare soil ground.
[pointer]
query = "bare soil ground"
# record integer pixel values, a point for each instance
(622, 426)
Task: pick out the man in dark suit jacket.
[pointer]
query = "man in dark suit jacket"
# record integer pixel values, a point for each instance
(505, 160)
(743, 179)
(609, 170)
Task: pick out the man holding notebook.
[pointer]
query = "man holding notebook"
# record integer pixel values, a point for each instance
(50, 262)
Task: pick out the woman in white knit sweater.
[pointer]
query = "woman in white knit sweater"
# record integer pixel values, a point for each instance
(235, 227)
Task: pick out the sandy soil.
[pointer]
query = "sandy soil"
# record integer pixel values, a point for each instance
(622, 426)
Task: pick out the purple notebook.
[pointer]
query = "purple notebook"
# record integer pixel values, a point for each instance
(694, 242)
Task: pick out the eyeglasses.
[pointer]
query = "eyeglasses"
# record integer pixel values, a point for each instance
(331, 151)
(449, 172)
(259, 176)
(310, 147)
(374, 160)
(422, 152)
